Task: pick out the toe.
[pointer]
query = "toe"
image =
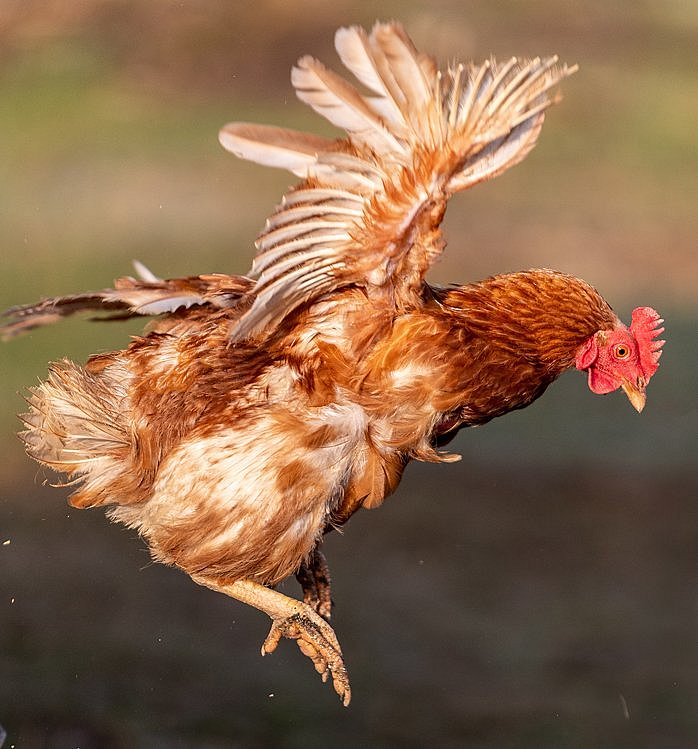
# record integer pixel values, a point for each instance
(316, 640)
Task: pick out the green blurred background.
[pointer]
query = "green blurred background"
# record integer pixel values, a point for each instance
(542, 592)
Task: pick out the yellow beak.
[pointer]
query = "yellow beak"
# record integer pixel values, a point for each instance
(636, 393)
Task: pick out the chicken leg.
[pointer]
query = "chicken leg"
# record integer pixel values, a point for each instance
(314, 577)
(293, 619)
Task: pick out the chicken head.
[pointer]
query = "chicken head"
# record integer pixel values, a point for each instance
(624, 357)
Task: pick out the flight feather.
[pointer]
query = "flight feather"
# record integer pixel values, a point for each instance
(369, 208)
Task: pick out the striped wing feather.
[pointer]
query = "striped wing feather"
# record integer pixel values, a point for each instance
(131, 297)
(369, 208)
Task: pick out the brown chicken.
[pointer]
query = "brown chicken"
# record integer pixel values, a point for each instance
(256, 415)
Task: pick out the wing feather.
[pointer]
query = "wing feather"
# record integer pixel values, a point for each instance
(369, 210)
(340, 102)
(274, 146)
(130, 298)
(307, 211)
(400, 61)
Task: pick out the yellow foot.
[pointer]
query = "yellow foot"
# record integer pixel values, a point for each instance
(317, 640)
(295, 620)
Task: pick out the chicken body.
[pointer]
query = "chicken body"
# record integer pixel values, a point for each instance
(234, 459)
(257, 414)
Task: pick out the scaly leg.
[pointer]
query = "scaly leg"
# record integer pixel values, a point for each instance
(295, 620)
(314, 577)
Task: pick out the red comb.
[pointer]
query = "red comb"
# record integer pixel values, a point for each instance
(645, 327)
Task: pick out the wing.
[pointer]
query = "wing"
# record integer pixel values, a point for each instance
(131, 297)
(369, 207)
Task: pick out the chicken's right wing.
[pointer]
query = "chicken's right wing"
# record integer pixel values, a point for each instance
(369, 208)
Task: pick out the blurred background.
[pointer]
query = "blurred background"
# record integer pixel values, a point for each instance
(540, 593)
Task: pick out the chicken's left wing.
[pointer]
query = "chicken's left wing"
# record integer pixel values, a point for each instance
(131, 297)
(369, 207)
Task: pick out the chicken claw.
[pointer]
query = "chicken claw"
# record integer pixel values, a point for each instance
(293, 619)
(316, 640)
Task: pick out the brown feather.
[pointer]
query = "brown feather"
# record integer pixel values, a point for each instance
(130, 298)
(344, 383)
(233, 454)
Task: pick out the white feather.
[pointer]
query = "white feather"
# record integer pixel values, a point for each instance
(342, 210)
(340, 103)
(294, 230)
(273, 146)
(354, 49)
(144, 273)
(168, 304)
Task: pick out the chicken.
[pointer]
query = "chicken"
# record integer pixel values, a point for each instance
(256, 414)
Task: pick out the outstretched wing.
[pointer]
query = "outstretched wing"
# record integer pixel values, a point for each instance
(369, 207)
(130, 297)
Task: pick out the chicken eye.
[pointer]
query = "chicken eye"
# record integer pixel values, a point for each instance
(621, 351)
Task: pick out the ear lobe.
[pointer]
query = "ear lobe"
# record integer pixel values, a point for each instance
(601, 382)
(587, 354)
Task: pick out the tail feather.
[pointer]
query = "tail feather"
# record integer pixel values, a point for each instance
(76, 426)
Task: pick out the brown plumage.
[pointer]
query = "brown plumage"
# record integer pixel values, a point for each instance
(256, 415)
